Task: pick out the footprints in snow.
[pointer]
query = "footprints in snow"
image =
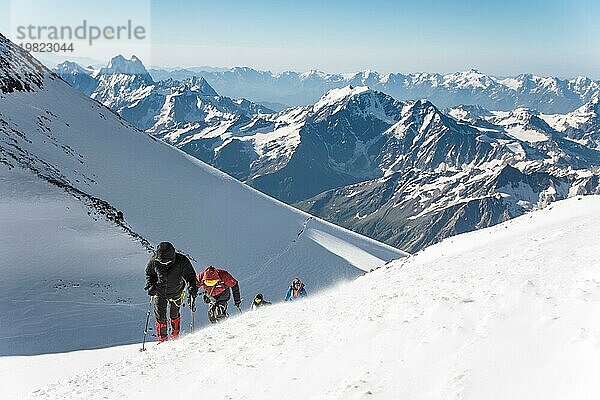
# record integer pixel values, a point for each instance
(99, 290)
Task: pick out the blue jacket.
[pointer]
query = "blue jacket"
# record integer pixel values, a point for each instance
(289, 296)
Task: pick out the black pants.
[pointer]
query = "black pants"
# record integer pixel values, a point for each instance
(160, 309)
(217, 311)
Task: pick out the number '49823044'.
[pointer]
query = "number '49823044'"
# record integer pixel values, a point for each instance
(47, 47)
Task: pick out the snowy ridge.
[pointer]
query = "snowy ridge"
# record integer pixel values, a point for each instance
(581, 126)
(505, 312)
(78, 270)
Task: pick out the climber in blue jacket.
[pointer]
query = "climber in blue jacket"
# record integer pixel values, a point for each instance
(295, 290)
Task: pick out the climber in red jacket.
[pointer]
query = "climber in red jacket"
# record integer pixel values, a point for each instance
(216, 284)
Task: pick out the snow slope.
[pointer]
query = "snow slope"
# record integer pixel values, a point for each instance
(48, 127)
(69, 276)
(508, 312)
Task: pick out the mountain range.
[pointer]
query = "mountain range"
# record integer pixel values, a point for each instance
(279, 90)
(450, 176)
(405, 172)
(548, 94)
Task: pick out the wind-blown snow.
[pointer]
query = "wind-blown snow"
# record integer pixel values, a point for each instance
(508, 312)
(348, 252)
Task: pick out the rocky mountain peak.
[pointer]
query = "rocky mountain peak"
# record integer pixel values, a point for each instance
(121, 65)
(199, 85)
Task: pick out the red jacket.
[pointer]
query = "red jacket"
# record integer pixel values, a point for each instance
(225, 279)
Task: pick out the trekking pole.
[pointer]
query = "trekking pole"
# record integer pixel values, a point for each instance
(193, 312)
(147, 320)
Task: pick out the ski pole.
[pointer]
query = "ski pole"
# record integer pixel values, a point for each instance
(147, 320)
(193, 312)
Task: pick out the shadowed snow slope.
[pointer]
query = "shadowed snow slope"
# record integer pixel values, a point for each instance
(69, 275)
(508, 312)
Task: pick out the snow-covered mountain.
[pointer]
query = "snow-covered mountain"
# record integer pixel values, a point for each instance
(581, 125)
(350, 135)
(509, 312)
(126, 87)
(78, 76)
(418, 208)
(450, 176)
(379, 166)
(547, 94)
(250, 142)
(119, 65)
(85, 194)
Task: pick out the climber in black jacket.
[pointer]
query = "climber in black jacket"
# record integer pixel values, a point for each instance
(166, 275)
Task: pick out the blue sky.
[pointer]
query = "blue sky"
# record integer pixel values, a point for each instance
(554, 37)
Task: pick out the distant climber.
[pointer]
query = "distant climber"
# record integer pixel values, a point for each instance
(216, 284)
(166, 275)
(295, 290)
(259, 302)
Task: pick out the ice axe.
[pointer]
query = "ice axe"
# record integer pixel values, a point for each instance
(147, 320)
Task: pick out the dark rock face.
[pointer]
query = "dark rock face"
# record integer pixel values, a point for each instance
(19, 71)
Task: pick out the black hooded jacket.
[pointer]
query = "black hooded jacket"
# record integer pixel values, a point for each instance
(169, 280)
